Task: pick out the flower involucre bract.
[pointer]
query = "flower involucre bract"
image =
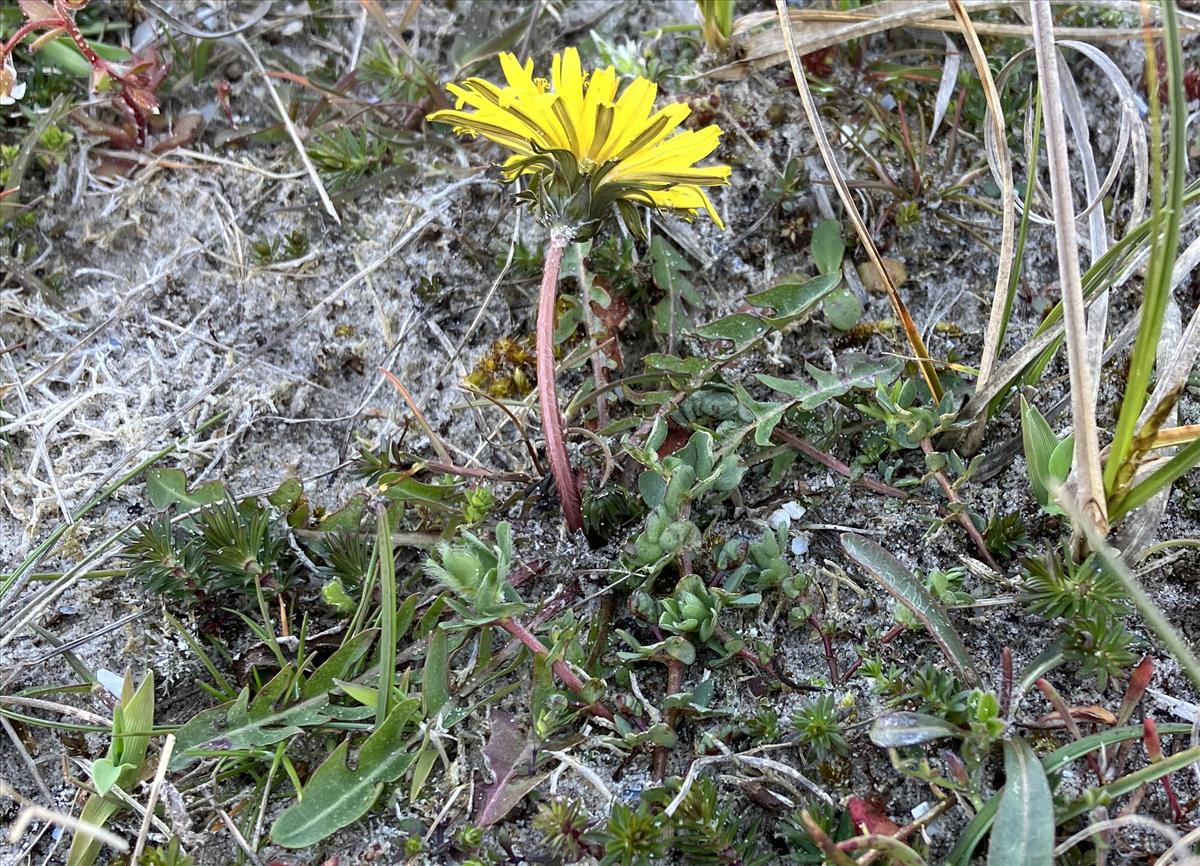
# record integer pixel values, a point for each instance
(585, 148)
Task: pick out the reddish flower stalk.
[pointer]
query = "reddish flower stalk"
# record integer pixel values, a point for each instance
(556, 446)
(25, 29)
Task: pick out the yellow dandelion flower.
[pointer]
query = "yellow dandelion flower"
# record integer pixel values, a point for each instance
(586, 148)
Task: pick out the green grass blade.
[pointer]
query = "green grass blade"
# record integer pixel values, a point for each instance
(387, 616)
(970, 838)
(1023, 229)
(1180, 463)
(1130, 782)
(1163, 250)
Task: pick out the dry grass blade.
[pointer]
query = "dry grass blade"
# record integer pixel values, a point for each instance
(160, 775)
(1002, 171)
(928, 371)
(292, 132)
(31, 812)
(1130, 120)
(762, 46)
(1097, 320)
(1086, 469)
(1139, 821)
(436, 441)
(946, 86)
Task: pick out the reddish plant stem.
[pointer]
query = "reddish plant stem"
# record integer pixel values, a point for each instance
(561, 669)
(830, 462)
(963, 518)
(66, 22)
(1064, 712)
(24, 30)
(556, 447)
(827, 643)
(674, 684)
(766, 667)
(1155, 753)
(891, 634)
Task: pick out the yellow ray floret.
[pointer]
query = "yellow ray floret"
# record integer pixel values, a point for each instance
(621, 138)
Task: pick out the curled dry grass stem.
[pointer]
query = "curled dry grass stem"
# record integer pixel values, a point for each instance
(928, 369)
(1086, 469)
(1120, 821)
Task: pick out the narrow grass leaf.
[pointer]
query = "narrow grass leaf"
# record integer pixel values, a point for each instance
(387, 615)
(1130, 782)
(268, 718)
(435, 682)
(1001, 167)
(1164, 247)
(1179, 464)
(1087, 469)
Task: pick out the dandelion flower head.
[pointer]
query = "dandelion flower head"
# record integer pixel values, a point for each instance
(580, 140)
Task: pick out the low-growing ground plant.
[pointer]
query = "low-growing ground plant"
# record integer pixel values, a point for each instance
(850, 587)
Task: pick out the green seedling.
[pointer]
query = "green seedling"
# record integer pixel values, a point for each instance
(820, 730)
(716, 22)
(122, 767)
(1047, 458)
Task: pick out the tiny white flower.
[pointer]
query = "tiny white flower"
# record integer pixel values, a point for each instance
(10, 89)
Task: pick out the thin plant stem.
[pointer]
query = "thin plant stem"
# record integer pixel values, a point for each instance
(830, 462)
(964, 519)
(928, 370)
(1087, 470)
(556, 446)
(387, 616)
(25, 29)
(748, 655)
(1002, 293)
(561, 669)
(674, 685)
